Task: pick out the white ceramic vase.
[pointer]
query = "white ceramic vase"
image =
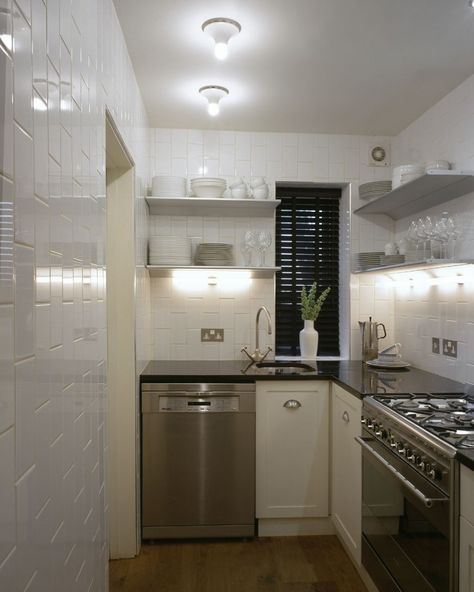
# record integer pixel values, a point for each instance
(309, 338)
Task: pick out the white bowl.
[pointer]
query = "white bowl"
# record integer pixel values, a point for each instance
(257, 182)
(239, 193)
(208, 191)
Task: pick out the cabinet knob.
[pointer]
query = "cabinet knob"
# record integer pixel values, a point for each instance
(292, 404)
(345, 417)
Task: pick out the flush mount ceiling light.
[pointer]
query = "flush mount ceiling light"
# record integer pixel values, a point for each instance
(213, 94)
(221, 30)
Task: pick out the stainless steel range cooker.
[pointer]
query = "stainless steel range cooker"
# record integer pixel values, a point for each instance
(410, 504)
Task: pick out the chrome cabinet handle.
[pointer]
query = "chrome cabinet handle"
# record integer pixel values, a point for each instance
(292, 404)
(345, 417)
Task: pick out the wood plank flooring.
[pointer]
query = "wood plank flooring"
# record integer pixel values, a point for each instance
(279, 564)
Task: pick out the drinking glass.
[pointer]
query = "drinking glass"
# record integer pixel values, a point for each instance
(248, 244)
(264, 240)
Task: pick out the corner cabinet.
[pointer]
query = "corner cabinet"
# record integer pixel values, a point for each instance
(466, 528)
(346, 486)
(292, 449)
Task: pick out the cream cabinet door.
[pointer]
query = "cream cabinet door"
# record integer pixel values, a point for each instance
(346, 482)
(466, 556)
(466, 527)
(292, 465)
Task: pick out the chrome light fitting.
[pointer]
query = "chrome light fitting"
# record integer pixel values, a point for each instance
(221, 30)
(213, 94)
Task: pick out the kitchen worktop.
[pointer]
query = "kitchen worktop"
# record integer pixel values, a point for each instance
(354, 376)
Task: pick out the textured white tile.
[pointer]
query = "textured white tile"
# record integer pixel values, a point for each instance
(53, 39)
(38, 29)
(6, 247)
(24, 301)
(7, 384)
(65, 88)
(290, 161)
(6, 40)
(53, 112)
(23, 71)
(40, 141)
(24, 188)
(7, 499)
(178, 143)
(6, 109)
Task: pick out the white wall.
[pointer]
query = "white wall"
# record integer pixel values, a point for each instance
(278, 157)
(424, 311)
(53, 514)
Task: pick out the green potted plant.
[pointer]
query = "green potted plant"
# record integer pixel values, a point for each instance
(311, 305)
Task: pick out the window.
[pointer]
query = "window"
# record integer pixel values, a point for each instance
(307, 250)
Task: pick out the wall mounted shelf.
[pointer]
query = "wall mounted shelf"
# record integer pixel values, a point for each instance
(167, 270)
(431, 189)
(199, 206)
(417, 266)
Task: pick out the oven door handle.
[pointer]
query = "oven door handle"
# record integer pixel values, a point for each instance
(427, 501)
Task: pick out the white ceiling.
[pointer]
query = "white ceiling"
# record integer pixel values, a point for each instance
(330, 66)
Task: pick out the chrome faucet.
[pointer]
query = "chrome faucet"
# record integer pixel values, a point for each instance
(257, 355)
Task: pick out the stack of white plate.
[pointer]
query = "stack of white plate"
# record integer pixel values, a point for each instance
(406, 173)
(364, 261)
(167, 186)
(169, 250)
(209, 187)
(374, 189)
(218, 254)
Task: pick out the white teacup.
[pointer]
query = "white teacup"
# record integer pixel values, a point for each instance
(261, 192)
(257, 182)
(238, 183)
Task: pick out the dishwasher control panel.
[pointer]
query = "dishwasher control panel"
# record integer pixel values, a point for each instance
(200, 403)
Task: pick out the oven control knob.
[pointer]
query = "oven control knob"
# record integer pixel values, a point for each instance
(422, 465)
(401, 449)
(370, 424)
(427, 469)
(363, 420)
(393, 442)
(408, 453)
(411, 457)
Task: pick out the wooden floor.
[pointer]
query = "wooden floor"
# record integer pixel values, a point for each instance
(280, 564)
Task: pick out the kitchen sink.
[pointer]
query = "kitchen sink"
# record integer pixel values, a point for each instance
(284, 367)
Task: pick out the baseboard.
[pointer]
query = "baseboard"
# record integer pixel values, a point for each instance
(294, 526)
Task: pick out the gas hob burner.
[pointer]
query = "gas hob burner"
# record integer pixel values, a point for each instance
(459, 438)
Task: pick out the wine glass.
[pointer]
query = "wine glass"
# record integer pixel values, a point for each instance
(248, 244)
(264, 240)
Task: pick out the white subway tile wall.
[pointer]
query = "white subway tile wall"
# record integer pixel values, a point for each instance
(66, 63)
(278, 157)
(423, 311)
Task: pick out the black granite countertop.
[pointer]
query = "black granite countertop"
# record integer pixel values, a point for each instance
(354, 376)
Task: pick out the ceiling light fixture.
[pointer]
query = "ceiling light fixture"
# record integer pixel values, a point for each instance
(213, 94)
(471, 3)
(221, 30)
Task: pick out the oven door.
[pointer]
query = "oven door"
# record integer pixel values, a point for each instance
(406, 543)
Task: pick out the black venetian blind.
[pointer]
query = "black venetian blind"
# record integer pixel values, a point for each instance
(307, 250)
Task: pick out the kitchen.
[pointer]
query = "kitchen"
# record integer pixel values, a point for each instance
(65, 66)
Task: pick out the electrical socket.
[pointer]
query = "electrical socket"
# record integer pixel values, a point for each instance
(435, 345)
(212, 335)
(450, 348)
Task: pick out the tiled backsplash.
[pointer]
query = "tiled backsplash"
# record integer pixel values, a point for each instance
(66, 63)
(278, 157)
(446, 310)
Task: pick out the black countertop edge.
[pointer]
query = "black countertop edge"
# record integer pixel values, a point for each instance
(466, 457)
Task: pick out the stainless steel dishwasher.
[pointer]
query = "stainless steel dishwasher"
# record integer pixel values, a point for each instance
(198, 460)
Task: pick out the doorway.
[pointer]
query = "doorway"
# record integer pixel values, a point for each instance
(121, 358)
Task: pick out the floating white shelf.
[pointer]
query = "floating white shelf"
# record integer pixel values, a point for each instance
(431, 189)
(417, 265)
(167, 270)
(200, 206)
